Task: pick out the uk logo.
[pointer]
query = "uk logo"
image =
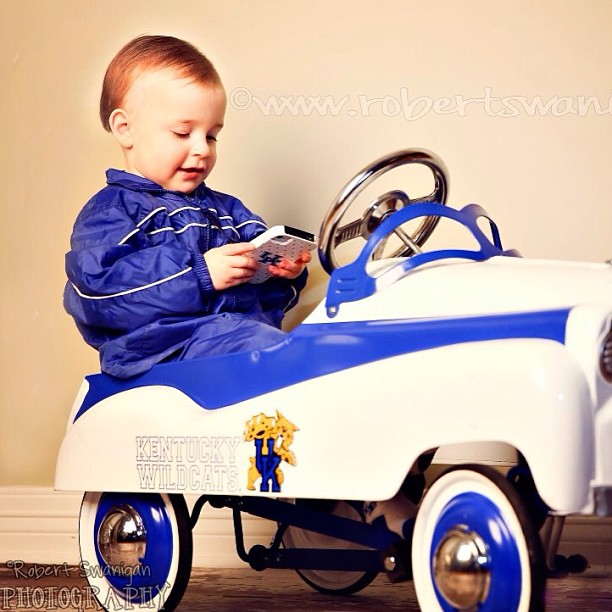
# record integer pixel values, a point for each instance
(272, 437)
(269, 258)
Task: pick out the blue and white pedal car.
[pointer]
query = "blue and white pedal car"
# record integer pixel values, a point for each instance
(406, 354)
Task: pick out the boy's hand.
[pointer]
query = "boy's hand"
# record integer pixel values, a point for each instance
(229, 265)
(290, 269)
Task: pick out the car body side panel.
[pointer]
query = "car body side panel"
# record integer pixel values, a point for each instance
(352, 434)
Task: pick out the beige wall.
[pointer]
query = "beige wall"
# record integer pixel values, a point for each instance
(543, 176)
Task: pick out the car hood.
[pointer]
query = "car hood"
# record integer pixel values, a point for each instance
(459, 288)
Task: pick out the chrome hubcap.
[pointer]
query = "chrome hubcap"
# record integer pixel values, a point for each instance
(461, 568)
(122, 539)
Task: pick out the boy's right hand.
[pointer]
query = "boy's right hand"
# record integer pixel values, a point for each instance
(229, 265)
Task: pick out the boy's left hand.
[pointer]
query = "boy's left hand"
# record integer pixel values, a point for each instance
(290, 269)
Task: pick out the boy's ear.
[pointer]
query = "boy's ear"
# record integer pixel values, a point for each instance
(120, 126)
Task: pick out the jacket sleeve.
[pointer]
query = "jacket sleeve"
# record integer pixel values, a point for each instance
(281, 293)
(115, 283)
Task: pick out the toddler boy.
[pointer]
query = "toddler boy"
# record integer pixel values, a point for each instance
(158, 268)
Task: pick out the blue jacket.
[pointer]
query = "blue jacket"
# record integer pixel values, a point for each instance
(138, 285)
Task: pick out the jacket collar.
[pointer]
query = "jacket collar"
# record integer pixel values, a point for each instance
(139, 183)
(131, 181)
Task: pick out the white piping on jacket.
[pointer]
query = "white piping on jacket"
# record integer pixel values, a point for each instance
(133, 290)
(181, 230)
(293, 299)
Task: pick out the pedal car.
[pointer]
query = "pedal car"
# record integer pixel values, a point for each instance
(406, 354)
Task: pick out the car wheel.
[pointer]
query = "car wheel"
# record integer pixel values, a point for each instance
(136, 549)
(475, 546)
(330, 582)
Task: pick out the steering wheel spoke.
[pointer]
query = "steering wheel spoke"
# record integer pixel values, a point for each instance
(348, 232)
(332, 234)
(407, 240)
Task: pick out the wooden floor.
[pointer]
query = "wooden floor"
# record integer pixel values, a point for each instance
(283, 590)
(246, 590)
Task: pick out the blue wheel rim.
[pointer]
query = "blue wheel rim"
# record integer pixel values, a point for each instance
(147, 582)
(478, 513)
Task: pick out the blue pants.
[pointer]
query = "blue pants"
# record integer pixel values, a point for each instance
(172, 340)
(229, 333)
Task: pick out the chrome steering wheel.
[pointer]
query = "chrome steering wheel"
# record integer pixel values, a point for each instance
(332, 234)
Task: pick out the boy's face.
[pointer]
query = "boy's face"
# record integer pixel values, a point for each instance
(169, 129)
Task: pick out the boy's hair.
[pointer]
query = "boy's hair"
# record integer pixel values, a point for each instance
(147, 53)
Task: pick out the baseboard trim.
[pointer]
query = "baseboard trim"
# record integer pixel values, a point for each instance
(39, 525)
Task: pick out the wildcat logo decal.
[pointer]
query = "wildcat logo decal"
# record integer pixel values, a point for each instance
(272, 437)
